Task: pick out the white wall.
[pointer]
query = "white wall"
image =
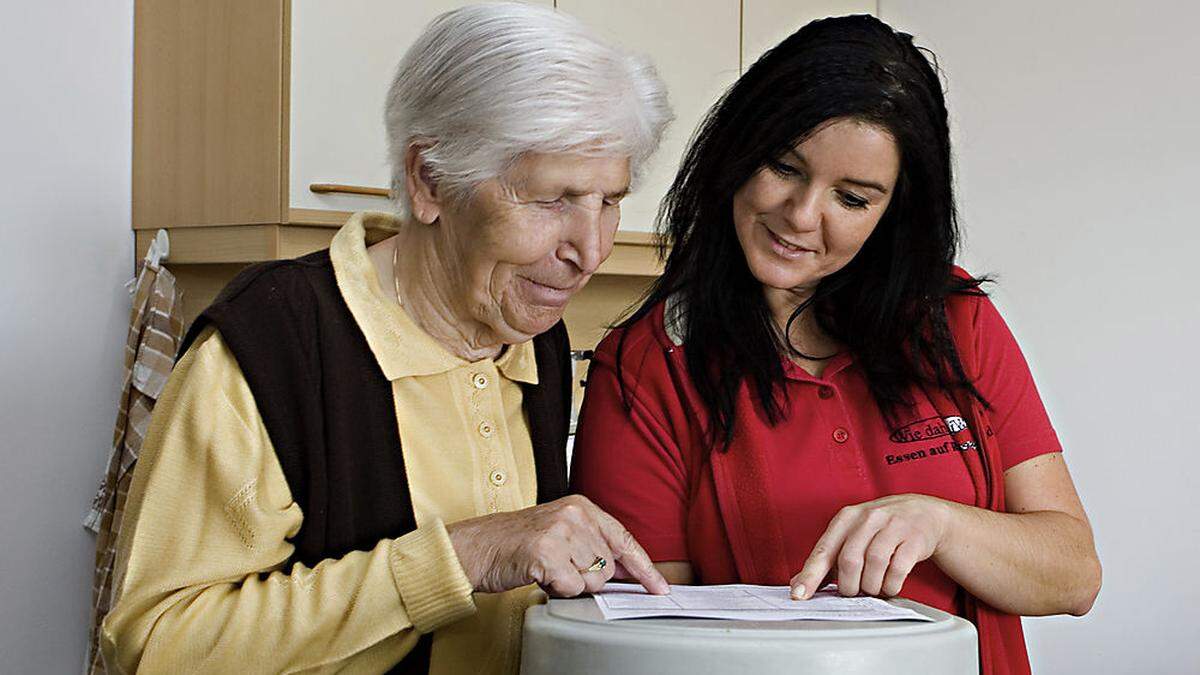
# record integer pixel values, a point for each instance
(1078, 142)
(66, 249)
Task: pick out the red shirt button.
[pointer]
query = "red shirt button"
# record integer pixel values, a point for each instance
(825, 391)
(840, 435)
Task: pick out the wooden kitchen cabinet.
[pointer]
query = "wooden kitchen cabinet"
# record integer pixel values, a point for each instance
(241, 105)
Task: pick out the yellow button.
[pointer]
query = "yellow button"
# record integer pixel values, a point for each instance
(479, 380)
(498, 478)
(486, 429)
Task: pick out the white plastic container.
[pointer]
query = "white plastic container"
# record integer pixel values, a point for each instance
(571, 636)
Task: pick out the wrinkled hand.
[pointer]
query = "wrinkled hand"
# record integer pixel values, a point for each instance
(551, 545)
(874, 545)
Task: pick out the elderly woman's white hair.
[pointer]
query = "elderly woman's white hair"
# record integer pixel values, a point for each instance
(487, 83)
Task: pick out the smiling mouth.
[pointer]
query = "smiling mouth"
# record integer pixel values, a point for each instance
(787, 244)
(547, 295)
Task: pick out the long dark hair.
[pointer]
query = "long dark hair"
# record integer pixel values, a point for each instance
(887, 305)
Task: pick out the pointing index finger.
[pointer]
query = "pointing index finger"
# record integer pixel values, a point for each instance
(821, 560)
(631, 555)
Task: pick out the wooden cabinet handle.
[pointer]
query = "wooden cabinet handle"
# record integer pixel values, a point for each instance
(348, 189)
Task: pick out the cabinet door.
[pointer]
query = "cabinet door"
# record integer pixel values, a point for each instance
(694, 45)
(765, 23)
(343, 57)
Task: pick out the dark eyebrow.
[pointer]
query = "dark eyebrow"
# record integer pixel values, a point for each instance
(866, 184)
(853, 181)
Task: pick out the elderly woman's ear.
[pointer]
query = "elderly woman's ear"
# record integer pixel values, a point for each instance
(421, 185)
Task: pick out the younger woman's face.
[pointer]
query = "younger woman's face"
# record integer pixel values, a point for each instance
(805, 215)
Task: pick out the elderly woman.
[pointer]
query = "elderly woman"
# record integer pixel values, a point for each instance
(342, 473)
(812, 391)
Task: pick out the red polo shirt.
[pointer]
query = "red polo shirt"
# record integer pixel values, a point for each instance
(648, 466)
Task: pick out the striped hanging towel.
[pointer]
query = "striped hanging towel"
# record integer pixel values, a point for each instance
(155, 331)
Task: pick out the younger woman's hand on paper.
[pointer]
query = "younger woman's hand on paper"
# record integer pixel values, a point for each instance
(872, 547)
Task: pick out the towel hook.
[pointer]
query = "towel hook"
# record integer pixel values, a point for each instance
(160, 248)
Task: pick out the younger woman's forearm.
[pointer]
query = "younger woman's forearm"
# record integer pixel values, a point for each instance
(1033, 564)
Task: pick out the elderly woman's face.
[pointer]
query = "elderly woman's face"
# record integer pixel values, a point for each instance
(804, 216)
(526, 242)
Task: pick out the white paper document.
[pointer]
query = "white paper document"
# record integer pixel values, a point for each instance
(744, 602)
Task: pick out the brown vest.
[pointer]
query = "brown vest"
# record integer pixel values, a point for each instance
(329, 411)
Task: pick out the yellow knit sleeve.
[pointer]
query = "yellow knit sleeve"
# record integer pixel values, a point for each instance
(200, 580)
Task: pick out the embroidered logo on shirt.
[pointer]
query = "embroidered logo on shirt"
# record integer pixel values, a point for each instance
(925, 430)
(928, 428)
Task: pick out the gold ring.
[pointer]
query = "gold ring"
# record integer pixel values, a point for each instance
(597, 565)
